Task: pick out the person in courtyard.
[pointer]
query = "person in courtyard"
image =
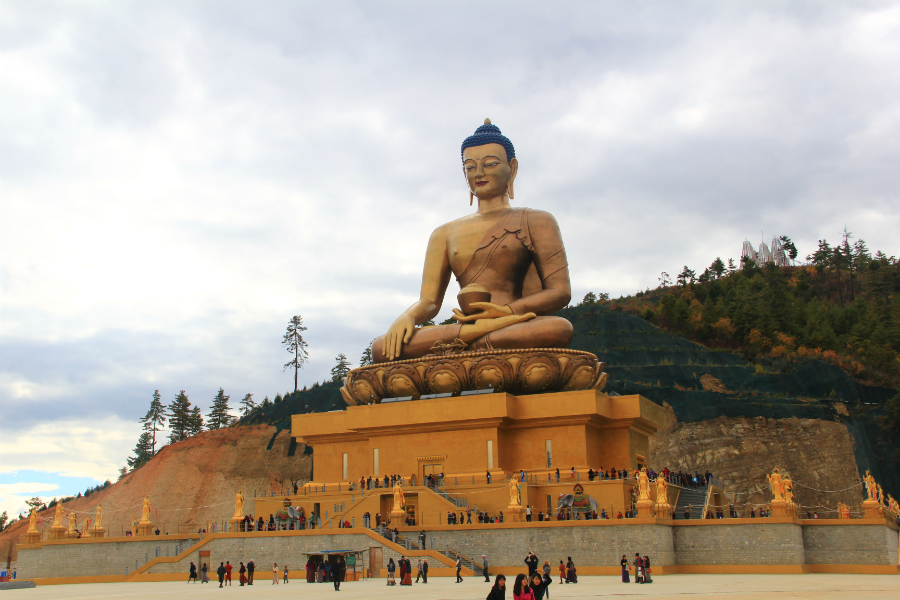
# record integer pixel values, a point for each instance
(537, 586)
(418, 569)
(275, 574)
(647, 578)
(407, 572)
(228, 569)
(425, 570)
(521, 589)
(391, 567)
(221, 574)
(204, 574)
(624, 563)
(484, 567)
(458, 568)
(242, 574)
(638, 568)
(498, 591)
(562, 572)
(402, 564)
(285, 573)
(193, 573)
(571, 577)
(338, 573)
(547, 580)
(532, 561)
(251, 567)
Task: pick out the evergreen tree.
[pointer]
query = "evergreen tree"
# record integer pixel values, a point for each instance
(266, 402)
(589, 299)
(664, 280)
(179, 418)
(195, 421)
(247, 405)
(278, 398)
(155, 419)
(717, 267)
(731, 266)
(686, 276)
(4, 518)
(789, 248)
(122, 473)
(36, 503)
(219, 416)
(294, 344)
(143, 451)
(366, 358)
(341, 368)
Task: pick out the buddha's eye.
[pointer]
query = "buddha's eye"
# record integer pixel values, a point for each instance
(470, 167)
(491, 164)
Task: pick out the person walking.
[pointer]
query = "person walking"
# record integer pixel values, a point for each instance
(391, 567)
(221, 573)
(625, 567)
(228, 569)
(204, 574)
(251, 567)
(498, 592)
(571, 577)
(275, 574)
(484, 567)
(193, 573)
(425, 571)
(242, 575)
(562, 572)
(638, 568)
(458, 568)
(338, 573)
(285, 573)
(418, 569)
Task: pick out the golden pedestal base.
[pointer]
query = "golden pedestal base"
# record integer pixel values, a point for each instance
(58, 532)
(645, 509)
(398, 517)
(516, 514)
(144, 528)
(98, 532)
(872, 509)
(32, 537)
(521, 372)
(782, 508)
(663, 511)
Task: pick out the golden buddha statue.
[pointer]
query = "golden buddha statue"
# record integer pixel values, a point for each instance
(515, 255)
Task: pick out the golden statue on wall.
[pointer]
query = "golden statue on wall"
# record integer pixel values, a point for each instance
(399, 499)
(643, 484)
(239, 505)
(662, 490)
(787, 488)
(71, 525)
(57, 516)
(870, 486)
(32, 521)
(514, 499)
(98, 517)
(145, 510)
(775, 483)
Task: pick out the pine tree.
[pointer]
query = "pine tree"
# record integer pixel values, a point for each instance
(247, 405)
(294, 343)
(342, 367)
(195, 421)
(179, 418)
(266, 402)
(219, 416)
(155, 419)
(278, 398)
(686, 276)
(143, 451)
(366, 358)
(717, 267)
(589, 299)
(122, 473)
(789, 247)
(731, 266)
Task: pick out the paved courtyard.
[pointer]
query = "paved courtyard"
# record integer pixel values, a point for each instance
(730, 587)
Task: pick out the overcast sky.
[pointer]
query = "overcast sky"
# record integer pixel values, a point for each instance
(180, 178)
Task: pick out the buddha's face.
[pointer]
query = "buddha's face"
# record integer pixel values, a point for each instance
(487, 170)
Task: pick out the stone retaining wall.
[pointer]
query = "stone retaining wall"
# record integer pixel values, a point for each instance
(838, 542)
(760, 543)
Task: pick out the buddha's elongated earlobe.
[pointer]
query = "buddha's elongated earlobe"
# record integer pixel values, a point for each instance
(471, 198)
(509, 188)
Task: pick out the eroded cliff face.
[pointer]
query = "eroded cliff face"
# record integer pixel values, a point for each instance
(192, 482)
(741, 451)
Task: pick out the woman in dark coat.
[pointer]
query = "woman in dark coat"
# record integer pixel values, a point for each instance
(498, 592)
(647, 578)
(571, 577)
(193, 574)
(624, 563)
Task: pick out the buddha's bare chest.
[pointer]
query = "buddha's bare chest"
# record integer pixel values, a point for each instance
(463, 240)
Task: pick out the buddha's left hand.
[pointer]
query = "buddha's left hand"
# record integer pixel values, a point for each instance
(488, 311)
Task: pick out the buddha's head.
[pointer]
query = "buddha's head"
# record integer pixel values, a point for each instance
(489, 162)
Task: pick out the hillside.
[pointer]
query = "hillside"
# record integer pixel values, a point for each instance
(193, 481)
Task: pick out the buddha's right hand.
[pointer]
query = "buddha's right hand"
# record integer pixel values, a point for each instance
(399, 333)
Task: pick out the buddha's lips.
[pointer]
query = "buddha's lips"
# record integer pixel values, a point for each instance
(481, 183)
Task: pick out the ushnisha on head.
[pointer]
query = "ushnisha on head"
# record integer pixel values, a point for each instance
(489, 163)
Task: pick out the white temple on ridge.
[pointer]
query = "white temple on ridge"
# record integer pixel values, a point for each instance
(765, 255)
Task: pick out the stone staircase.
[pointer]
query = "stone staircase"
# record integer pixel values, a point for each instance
(693, 497)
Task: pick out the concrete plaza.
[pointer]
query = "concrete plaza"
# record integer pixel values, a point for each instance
(730, 587)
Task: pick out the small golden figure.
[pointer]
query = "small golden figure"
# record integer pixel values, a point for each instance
(97, 524)
(787, 487)
(514, 491)
(870, 485)
(662, 490)
(644, 484)
(32, 521)
(399, 500)
(145, 510)
(57, 516)
(239, 505)
(775, 482)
